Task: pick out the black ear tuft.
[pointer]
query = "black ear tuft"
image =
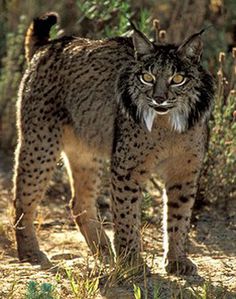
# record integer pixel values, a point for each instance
(192, 47)
(142, 45)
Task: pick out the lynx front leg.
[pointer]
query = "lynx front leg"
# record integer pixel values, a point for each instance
(126, 195)
(179, 197)
(129, 170)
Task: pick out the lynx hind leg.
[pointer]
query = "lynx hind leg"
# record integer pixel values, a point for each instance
(36, 158)
(85, 174)
(179, 197)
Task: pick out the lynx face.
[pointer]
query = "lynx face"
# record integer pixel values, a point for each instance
(166, 79)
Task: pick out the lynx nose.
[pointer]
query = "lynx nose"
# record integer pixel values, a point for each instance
(160, 91)
(160, 99)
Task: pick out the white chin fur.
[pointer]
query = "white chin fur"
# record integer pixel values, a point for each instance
(178, 121)
(148, 117)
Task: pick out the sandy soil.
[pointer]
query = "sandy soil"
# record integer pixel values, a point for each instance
(212, 247)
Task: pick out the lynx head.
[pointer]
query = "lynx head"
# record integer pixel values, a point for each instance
(166, 79)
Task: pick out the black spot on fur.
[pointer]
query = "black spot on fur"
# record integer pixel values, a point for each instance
(134, 199)
(183, 199)
(174, 205)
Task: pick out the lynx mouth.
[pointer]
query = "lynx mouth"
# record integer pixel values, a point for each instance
(163, 109)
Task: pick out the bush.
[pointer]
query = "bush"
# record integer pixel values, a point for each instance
(10, 76)
(218, 177)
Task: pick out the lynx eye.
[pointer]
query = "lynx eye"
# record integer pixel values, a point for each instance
(147, 78)
(178, 79)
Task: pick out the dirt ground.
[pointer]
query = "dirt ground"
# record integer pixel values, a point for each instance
(212, 247)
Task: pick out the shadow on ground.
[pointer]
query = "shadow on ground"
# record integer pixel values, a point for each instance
(212, 240)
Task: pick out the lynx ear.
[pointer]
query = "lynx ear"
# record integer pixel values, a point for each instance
(192, 47)
(142, 45)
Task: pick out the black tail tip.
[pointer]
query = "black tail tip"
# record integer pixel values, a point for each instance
(47, 20)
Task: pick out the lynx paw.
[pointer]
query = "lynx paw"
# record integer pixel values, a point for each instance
(36, 258)
(183, 266)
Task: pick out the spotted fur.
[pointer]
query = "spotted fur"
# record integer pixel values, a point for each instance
(84, 98)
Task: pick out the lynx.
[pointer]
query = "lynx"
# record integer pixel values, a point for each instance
(142, 104)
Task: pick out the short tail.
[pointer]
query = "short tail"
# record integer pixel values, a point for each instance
(37, 34)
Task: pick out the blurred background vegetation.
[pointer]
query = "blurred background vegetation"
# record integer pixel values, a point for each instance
(105, 18)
